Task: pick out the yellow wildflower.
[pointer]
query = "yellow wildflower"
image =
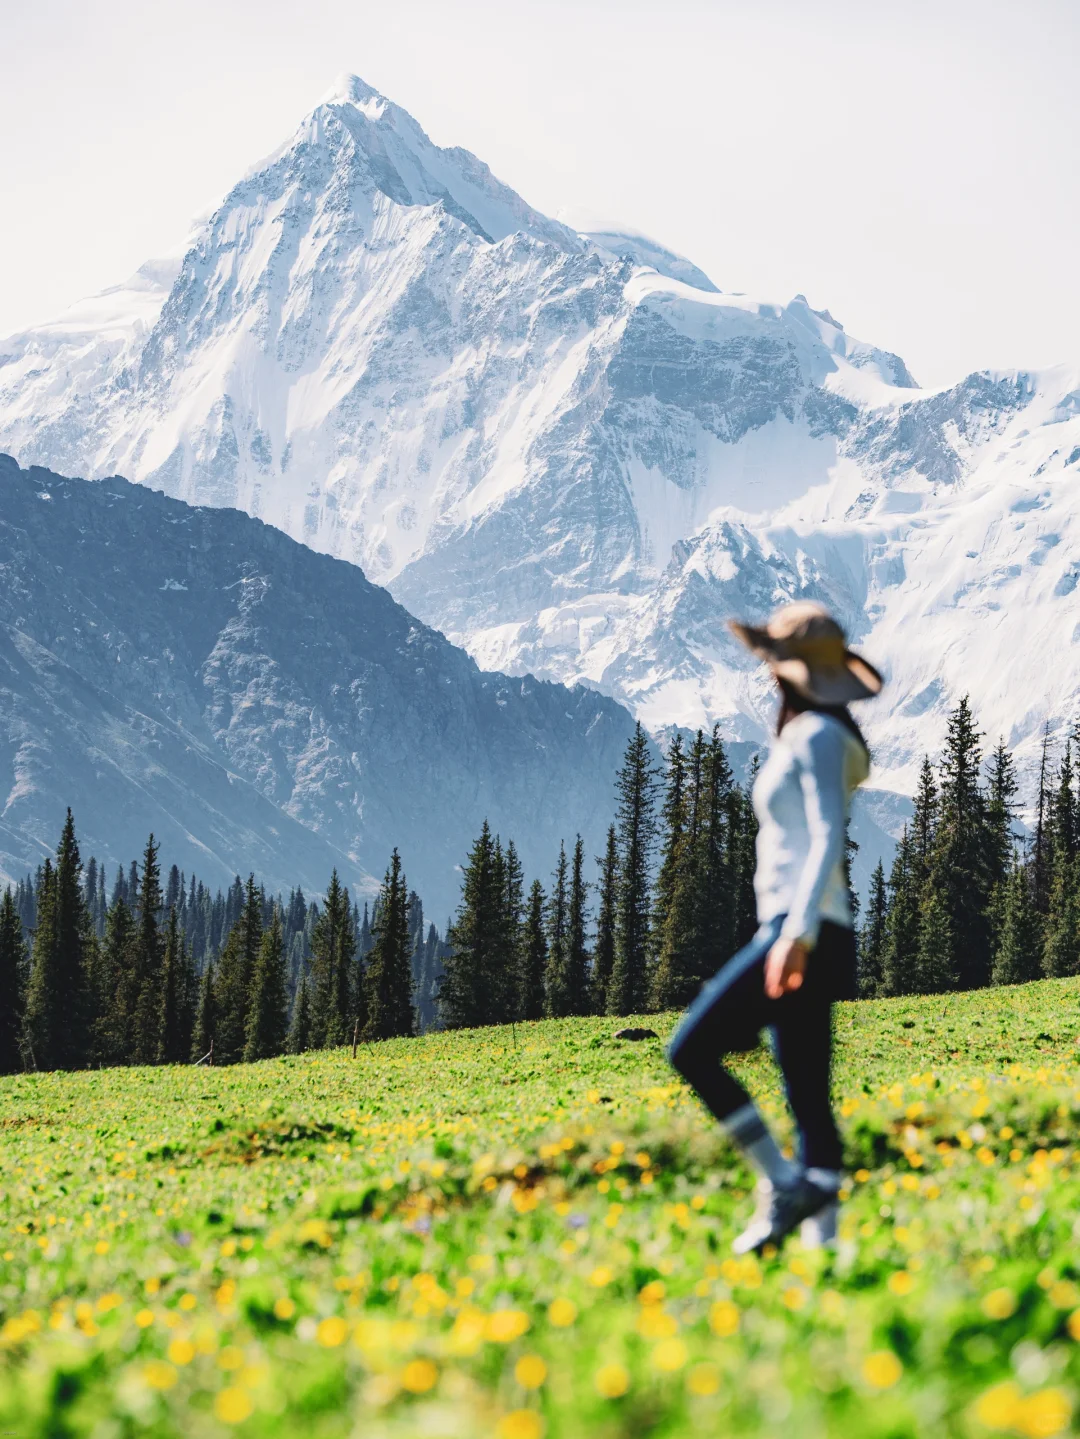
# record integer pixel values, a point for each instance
(882, 1369)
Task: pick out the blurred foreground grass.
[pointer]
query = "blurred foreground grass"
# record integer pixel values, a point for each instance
(526, 1232)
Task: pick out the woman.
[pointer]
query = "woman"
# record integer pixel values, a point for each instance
(803, 955)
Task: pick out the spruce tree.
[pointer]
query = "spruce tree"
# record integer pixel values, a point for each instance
(334, 1000)
(718, 861)
(149, 954)
(960, 876)
(567, 978)
(235, 976)
(899, 962)
(742, 858)
(577, 961)
(59, 1015)
(176, 1018)
(472, 984)
(1000, 811)
(299, 1038)
(1042, 845)
(604, 946)
(935, 967)
(202, 1043)
(1061, 944)
(12, 985)
(534, 956)
(636, 789)
(677, 975)
(44, 994)
(388, 979)
(118, 992)
(556, 980)
(268, 1006)
(1018, 956)
(872, 937)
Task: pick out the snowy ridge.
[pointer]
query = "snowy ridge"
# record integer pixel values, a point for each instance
(567, 449)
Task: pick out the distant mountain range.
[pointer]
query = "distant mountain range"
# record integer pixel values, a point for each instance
(569, 451)
(261, 706)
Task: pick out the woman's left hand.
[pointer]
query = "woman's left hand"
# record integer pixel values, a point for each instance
(785, 966)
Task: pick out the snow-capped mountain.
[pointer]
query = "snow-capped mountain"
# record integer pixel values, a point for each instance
(566, 448)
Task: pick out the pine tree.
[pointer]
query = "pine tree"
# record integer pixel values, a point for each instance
(236, 973)
(604, 947)
(149, 954)
(388, 980)
(899, 962)
(1000, 810)
(473, 985)
(59, 1017)
(299, 1039)
(556, 993)
(534, 961)
(268, 1007)
(636, 788)
(44, 994)
(960, 877)
(12, 985)
(118, 989)
(1018, 956)
(567, 977)
(718, 860)
(935, 957)
(675, 913)
(1042, 846)
(334, 1006)
(514, 922)
(1061, 945)
(872, 937)
(202, 1044)
(742, 857)
(176, 1019)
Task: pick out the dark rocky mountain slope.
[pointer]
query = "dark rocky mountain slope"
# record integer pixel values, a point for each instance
(257, 705)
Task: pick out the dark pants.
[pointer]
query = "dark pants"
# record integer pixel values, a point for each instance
(732, 1010)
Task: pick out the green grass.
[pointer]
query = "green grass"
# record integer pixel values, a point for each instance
(393, 1246)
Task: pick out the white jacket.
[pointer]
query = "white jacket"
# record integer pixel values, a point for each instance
(802, 798)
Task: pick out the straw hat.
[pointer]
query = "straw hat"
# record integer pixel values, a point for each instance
(804, 645)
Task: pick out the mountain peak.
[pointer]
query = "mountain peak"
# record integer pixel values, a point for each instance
(349, 89)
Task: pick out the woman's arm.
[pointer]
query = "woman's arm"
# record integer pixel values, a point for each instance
(821, 752)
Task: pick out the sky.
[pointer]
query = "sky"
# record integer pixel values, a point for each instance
(912, 167)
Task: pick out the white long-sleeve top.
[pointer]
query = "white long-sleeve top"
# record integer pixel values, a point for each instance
(802, 798)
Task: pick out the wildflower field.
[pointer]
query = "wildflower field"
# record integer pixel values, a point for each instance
(526, 1233)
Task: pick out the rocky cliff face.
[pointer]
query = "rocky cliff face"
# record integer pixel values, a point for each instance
(570, 452)
(258, 705)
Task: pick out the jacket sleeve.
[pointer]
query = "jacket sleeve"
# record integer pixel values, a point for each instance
(822, 758)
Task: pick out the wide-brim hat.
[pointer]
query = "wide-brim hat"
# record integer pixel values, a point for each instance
(805, 646)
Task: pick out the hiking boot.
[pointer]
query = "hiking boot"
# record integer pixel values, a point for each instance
(780, 1210)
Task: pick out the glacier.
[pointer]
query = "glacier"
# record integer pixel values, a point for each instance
(568, 450)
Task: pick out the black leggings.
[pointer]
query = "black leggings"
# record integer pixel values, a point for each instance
(733, 1008)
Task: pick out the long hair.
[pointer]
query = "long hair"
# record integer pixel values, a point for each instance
(792, 703)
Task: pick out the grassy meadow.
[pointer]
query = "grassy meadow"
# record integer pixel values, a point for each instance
(526, 1233)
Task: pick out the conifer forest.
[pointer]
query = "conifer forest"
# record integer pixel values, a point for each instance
(150, 967)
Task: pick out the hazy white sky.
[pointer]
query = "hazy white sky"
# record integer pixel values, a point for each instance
(911, 166)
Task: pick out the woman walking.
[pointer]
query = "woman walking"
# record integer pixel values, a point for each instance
(802, 957)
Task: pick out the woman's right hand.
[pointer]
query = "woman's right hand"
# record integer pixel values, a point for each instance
(785, 966)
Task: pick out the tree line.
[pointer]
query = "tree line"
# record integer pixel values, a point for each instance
(170, 975)
(673, 900)
(165, 973)
(967, 902)
(159, 974)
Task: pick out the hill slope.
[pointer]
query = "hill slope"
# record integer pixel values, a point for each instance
(198, 673)
(518, 1233)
